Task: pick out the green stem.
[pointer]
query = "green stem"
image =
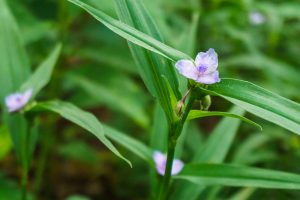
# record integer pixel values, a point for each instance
(170, 157)
(174, 132)
(24, 182)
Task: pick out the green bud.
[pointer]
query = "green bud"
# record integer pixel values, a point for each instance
(205, 102)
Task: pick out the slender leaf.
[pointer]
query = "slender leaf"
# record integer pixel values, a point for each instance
(5, 142)
(112, 99)
(151, 73)
(212, 151)
(83, 119)
(260, 102)
(194, 114)
(129, 143)
(132, 34)
(42, 75)
(14, 65)
(239, 176)
(152, 67)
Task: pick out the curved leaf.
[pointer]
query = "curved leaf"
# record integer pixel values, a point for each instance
(239, 176)
(132, 34)
(42, 75)
(14, 64)
(83, 119)
(129, 143)
(199, 113)
(260, 102)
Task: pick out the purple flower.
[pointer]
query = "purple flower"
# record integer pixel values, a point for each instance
(16, 101)
(160, 160)
(256, 18)
(203, 70)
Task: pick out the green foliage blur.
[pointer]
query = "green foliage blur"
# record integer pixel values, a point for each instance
(97, 73)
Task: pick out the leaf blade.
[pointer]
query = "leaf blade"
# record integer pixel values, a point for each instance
(199, 113)
(239, 176)
(83, 119)
(42, 75)
(260, 102)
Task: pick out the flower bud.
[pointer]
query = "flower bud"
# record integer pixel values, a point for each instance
(179, 107)
(205, 102)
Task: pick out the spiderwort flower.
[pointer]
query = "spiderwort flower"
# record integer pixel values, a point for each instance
(16, 101)
(160, 160)
(203, 70)
(257, 18)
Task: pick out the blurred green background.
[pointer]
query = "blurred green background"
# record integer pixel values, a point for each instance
(256, 41)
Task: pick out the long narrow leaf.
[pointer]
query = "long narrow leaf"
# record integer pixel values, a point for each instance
(83, 119)
(14, 64)
(194, 114)
(42, 75)
(239, 176)
(132, 34)
(129, 143)
(260, 102)
(212, 151)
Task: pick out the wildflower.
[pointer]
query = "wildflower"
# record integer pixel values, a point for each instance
(160, 160)
(203, 70)
(256, 18)
(16, 101)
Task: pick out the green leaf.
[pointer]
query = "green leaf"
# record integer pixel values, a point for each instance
(151, 67)
(212, 151)
(260, 102)
(19, 135)
(14, 64)
(112, 99)
(129, 143)
(42, 75)
(5, 142)
(83, 119)
(135, 14)
(172, 96)
(194, 114)
(131, 34)
(239, 176)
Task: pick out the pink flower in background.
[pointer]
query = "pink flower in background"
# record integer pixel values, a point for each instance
(16, 101)
(160, 160)
(203, 70)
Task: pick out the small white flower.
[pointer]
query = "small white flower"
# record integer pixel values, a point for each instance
(257, 18)
(160, 160)
(16, 101)
(203, 70)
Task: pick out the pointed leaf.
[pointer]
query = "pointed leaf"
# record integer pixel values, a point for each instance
(42, 75)
(82, 118)
(239, 176)
(132, 34)
(194, 114)
(260, 102)
(133, 145)
(14, 64)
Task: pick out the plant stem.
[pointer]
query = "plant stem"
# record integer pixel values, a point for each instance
(167, 177)
(174, 132)
(24, 182)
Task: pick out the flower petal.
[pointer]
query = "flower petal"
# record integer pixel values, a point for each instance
(159, 157)
(208, 59)
(187, 68)
(27, 95)
(177, 166)
(209, 78)
(16, 101)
